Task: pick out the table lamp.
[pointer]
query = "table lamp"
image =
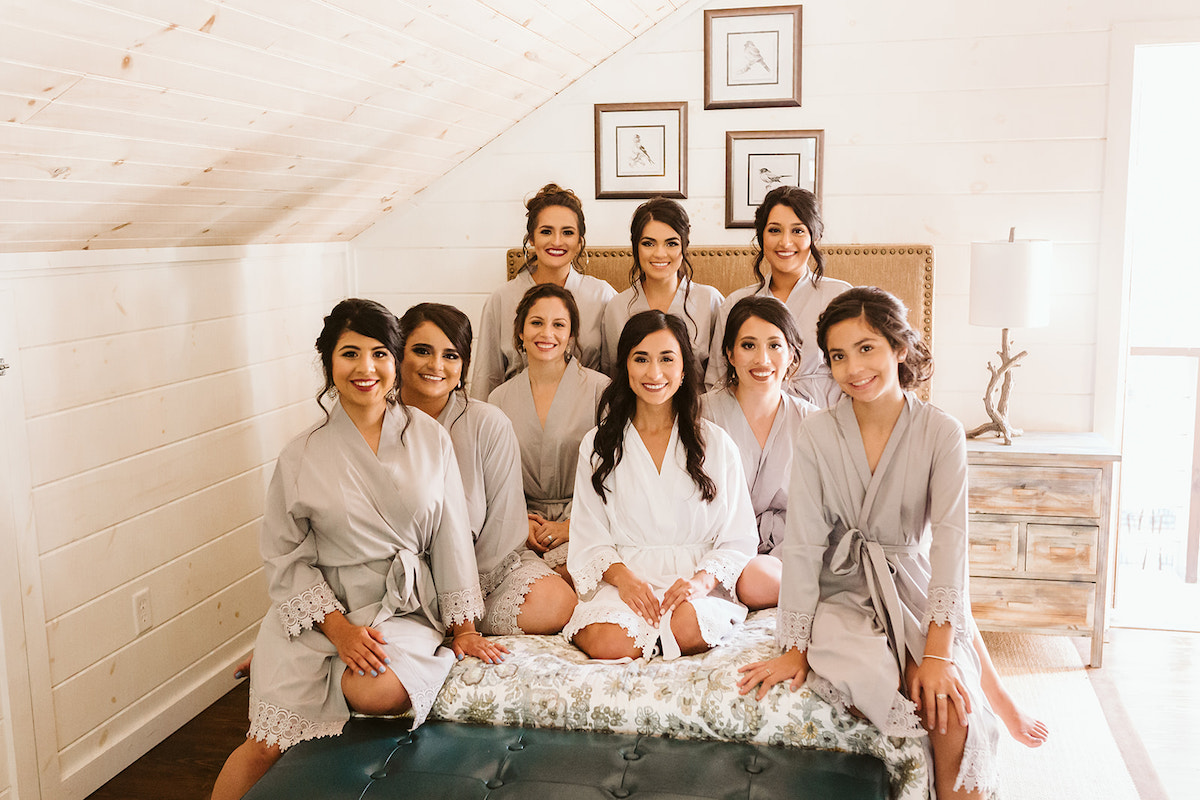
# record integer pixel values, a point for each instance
(1009, 289)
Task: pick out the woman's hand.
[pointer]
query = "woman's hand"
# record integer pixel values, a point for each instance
(792, 664)
(360, 647)
(635, 592)
(536, 521)
(469, 642)
(686, 589)
(554, 534)
(934, 686)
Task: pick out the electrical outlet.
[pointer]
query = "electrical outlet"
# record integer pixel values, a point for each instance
(142, 619)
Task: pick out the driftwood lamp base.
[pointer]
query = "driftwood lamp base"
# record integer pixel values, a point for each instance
(1001, 382)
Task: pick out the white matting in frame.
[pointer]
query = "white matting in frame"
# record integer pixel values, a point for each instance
(758, 161)
(752, 57)
(641, 150)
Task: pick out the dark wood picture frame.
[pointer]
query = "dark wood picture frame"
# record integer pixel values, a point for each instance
(630, 166)
(758, 161)
(752, 57)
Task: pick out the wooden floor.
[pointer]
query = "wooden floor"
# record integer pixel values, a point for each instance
(1149, 689)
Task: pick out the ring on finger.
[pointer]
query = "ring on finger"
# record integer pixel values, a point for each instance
(941, 696)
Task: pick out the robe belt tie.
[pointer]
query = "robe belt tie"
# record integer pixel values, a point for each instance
(856, 554)
(409, 586)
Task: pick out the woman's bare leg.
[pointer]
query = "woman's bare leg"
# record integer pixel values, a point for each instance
(606, 640)
(547, 606)
(758, 585)
(1027, 730)
(245, 765)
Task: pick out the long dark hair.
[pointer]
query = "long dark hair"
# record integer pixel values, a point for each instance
(366, 318)
(552, 195)
(804, 204)
(673, 215)
(770, 310)
(618, 404)
(885, 313)
(454, 324)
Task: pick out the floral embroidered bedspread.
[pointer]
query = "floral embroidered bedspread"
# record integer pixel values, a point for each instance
(548, 683)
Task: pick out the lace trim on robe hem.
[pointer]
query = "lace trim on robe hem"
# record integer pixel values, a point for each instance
(461, 606)
(725, 567)
(422, 703)
(947, 604)
(501, 619)
(978, 771)
(308, 608)
(902, 719)
(493, 579)
(593, 572)
(644, 637)
(793, 629)
(557, 556)
(273, 725)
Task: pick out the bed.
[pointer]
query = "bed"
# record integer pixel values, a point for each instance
(550, 723)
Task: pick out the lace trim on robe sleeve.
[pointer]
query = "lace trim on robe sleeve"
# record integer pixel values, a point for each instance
(461, 606)
(308, 608)
(793, 629)
(947, 604)
(725, 567)
(593, 572)
(490, 580)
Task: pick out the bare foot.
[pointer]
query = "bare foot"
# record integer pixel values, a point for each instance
(1025, 729)
(243, 669)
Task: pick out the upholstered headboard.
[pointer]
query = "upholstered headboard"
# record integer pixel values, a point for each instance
(905, 270)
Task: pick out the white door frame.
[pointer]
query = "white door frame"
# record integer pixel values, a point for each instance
(1112, 305)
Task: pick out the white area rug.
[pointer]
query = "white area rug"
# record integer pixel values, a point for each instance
(1081, 760)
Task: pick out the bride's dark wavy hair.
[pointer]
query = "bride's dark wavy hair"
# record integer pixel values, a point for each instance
(618, 404)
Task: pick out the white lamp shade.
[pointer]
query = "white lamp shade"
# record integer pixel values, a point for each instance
(1010, 283)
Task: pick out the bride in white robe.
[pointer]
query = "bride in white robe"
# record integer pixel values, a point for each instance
(662, 521)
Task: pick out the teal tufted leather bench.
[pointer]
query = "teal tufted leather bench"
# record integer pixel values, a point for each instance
(380, 759)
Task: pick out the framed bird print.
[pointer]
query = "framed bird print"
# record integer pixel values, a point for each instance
(641, 150)
(752, 57)
(758, 161)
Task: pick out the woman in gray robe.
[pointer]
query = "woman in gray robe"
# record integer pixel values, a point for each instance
(552, 404)
(554, 229)
(874, 609)
(761, 349)
(367, 557)
(521, 593)
(788, 228)
(661, 278)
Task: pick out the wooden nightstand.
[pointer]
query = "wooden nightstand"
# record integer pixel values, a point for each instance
(1042, 515)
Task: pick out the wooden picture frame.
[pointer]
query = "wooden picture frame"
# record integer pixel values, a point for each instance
(641, 150)
(758, 161)
(752, 57)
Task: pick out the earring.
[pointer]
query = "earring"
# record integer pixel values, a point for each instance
(331, 393)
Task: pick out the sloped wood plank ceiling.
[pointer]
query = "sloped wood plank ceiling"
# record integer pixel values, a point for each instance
(156, 123)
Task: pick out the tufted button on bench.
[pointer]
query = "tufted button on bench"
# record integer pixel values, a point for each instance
(378, 759)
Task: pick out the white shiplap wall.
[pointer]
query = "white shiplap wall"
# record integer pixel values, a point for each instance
(158, 388)
(944, 123)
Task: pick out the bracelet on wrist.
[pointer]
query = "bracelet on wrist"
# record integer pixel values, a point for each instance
(949, 661)
(467, 633)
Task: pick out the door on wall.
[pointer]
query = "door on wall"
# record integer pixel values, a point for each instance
(1158, 544)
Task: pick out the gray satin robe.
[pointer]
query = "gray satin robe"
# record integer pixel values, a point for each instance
(812, 380)
(496, 360)
(768, 469)
(489, 459)
(870, 560)
(703, 303)
(383, 538)
(548, 455)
